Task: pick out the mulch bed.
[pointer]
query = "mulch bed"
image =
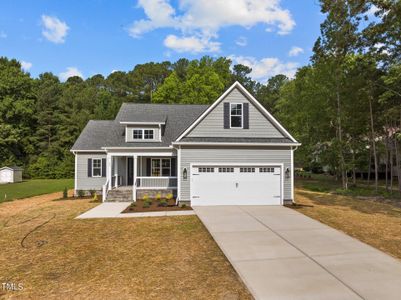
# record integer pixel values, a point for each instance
(138, 207)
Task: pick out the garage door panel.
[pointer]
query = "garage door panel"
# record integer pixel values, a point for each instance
(254, 185)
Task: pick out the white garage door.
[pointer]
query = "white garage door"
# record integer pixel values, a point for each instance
(235, 185)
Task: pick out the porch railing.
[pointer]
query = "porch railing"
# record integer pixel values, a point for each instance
(105, 189)
(156, 182)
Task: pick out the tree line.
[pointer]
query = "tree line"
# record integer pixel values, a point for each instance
(344, 107)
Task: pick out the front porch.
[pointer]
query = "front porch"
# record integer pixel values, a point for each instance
(139, 175)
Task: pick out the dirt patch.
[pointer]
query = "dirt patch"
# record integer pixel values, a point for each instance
(139, 206)
(144, 258)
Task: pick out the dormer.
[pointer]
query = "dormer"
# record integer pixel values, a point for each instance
(143, 132)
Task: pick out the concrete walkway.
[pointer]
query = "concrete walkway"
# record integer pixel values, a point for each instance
(282, 254)
(114, 209)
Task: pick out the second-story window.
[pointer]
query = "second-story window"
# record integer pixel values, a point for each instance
(138, 134)
(236, 115)
(143, 134)
(148, 134)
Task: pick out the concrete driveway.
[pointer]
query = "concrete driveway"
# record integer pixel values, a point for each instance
(282, 254)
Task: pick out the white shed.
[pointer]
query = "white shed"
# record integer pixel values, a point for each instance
(10, 174)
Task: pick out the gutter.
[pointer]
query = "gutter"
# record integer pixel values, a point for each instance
(234, 144)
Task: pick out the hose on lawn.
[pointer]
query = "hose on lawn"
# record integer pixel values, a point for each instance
(40, 243)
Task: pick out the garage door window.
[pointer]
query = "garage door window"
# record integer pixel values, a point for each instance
(206, 170)
(247, 170)
(226, 170)
(266, 170)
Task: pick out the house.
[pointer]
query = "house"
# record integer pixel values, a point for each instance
(10, 174)
(232, 152)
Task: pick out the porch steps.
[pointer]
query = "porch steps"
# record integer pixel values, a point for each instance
(119, 195)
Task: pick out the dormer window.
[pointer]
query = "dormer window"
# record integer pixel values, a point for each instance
(236, 115)
(143, 134)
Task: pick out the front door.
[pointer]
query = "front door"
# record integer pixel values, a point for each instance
(130, 170)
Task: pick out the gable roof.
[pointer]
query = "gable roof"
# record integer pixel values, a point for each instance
(102, 134)
(252, 100)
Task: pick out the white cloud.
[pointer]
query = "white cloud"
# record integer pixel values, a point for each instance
(70, 72)
(191, 44)
(241, 41)
(54, 29)
(266, 67)
(25, 65)
(204, 18)
(295, 51)
(3, 35)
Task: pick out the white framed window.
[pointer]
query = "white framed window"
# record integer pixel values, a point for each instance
(226, 170)
(137, 134)
(236, 115)
(161, 167)
(96, 167)
(148, 134)
(206, 170)
(143, 134)
(266, 170)
(247, 170)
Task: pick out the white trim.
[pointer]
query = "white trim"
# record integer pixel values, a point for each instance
(135, 169)
(292, 175)
(143, 134)
(76, 151)
(126, 170)
(160, 167)
(235, 144)
(250, 97)
(158, 154)
(135, 148)
(160, 132)
(101, 162)
(281, 165)
(143, 123)
(179, 174)
(157, 188)
(242, 116)
(76, 174)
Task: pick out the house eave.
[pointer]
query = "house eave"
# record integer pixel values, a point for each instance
(142, 123)
(235, 144)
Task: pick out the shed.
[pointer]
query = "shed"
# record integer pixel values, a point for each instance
(10, 174)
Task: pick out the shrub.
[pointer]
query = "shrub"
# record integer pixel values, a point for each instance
(133, 204)
(163, 203)
(92, 192)
(65, 193)
(158, 196)
(169, 196)
(95, 198)
(80, 193)
(145, 197)
(183, 206)
(146, 204)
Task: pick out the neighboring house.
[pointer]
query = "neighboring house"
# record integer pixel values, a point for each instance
(10, 174)
(231, 152)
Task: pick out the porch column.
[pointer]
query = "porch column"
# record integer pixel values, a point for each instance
(135, 175)
(108, 170)
(116, 171)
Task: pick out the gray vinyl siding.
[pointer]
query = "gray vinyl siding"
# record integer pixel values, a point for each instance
(213, 124)
(240, 155)
(83, 181)
(130, 129)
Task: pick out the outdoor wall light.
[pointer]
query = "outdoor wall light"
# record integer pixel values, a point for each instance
(287, 173)
(184, 174)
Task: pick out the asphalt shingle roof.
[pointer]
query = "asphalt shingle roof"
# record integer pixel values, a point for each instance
(178, 117)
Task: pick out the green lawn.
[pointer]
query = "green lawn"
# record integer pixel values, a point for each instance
(34, 187)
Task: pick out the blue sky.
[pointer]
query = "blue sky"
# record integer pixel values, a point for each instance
(98, 36)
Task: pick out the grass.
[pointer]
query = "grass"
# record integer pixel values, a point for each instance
(374, 221)
(32, 188)
(141, 258)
